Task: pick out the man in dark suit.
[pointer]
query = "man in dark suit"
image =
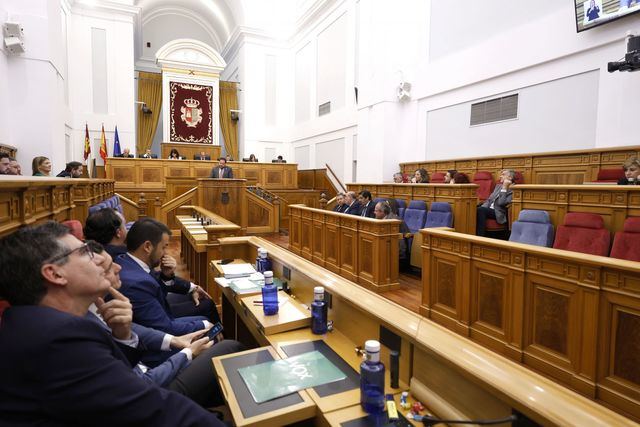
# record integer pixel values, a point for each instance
(147, 155)
(353, 207)
(72, 170)
(222, 170)
(147, 241)
(202, 156)
(63, 369)
(125, 153)
(339, 202)
(495, 207)
(366, 205)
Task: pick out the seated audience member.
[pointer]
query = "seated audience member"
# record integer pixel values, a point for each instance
(107, 227)
(393, 205)
(366, 205)
(459, 178)
(339, 202)
(279, 159)
(383, 210)
(449, 175)
(147, 289)
(421, 176)
(5, 164)
(495, 207)
(229, 158)
(351, 203)
(631, 172)
(73, 170)
(14, 167)
(398, 177)
(125, 153)
(63, 369)
(41, 166)
(253, 158)
(222, 170)
(202, 156)
(187, 371)
(174, 155)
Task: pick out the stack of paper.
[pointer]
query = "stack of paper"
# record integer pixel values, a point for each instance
(234, 271)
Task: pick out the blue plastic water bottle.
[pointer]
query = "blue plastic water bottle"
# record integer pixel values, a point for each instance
(372, 379)
(269, 295)
(263, 263)
(318, 312)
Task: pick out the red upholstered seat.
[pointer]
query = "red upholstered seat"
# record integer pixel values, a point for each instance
(583, 232)
(76, 228)
(626, 243)
(437, 178)
(485, 183)
(519, 179)
(492, 225)
(610, 175)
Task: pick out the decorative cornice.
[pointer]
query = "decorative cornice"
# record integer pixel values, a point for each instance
(185, 13)
(180, 54)
(80, 7)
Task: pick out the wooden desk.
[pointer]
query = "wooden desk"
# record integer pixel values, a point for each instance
(456, 373)
(569, 315)
(556, 167)
(363, 250)
(613, 202)
(462, 198)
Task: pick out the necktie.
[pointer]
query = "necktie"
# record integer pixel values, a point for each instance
(221, 172)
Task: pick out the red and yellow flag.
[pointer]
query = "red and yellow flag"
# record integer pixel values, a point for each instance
(103, 146)
(87, 142)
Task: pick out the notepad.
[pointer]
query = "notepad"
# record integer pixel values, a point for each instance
(232, 271)
(269, 380)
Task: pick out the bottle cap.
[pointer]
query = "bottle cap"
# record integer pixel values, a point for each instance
(262, 252)
(372, 346)
(318, 290)
(268, 274)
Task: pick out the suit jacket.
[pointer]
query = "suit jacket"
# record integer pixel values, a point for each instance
(227, 173)
(367, 210)
(122, 155)
(500, 200)
(353, 209)
(338, 208)
(144, 156)
(70, 372)
(148, 296)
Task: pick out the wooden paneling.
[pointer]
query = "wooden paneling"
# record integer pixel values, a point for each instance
(572, 316)
(309, 198)
(613, 202)
(225, 197)
(28, 200)
(152, 173)
(562, 167)
(188, 150)
(461, 197)
(362, 250)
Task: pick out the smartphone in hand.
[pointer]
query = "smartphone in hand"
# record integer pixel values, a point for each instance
(215, 331)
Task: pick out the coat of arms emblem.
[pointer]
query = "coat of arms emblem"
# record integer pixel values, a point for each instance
(191, 114)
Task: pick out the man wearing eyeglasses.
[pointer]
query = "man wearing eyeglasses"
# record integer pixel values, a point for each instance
(57, 367)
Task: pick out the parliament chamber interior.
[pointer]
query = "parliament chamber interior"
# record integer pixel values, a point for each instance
(319, 213)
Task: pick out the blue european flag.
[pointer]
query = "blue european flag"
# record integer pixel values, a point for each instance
(116, 144)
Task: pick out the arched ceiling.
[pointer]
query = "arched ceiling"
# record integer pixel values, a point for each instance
(209, 21)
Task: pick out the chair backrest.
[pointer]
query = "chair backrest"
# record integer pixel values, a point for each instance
(583, 232)
(415, 217)
(519, 178)
(402, 206)
(533, 228)
(418, 204)
(439, 215)
(437, 178)
(610, 175)
(626, 243)
(3, 306)
(76, 228)
(485, 183)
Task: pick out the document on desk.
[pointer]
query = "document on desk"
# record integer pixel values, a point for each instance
(269, 380)
(234, 271)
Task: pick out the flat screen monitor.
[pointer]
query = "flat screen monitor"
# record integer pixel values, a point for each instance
(591, 13)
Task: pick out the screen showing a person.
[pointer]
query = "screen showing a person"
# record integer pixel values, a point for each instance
(591, 13)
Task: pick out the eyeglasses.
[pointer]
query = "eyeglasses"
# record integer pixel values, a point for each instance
(82, 250)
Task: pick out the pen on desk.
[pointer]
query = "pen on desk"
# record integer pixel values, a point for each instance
(258, 302)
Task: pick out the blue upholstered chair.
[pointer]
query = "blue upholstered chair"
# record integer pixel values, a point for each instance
(533, 228)
(439, 215)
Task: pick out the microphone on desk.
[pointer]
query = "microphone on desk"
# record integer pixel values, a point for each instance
(429, 421)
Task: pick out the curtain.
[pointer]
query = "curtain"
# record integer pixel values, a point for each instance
(149, 92)
(229, 101)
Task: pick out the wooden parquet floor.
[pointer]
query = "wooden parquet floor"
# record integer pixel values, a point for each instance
(409, 295)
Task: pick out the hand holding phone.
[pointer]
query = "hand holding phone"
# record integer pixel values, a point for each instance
(215, 331)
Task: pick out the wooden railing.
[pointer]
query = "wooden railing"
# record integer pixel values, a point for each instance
(261, 211)
(132, 210)
(462, 197)
(561, 167)
(456, 378)
(572, 316)
(167, 212)
(199, 243)
(362, 250)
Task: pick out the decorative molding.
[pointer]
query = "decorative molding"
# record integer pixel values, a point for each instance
(190, 54)
(89, 9)
(185, 13)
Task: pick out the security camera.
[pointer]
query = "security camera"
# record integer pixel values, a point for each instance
(235, 115)
(631, 60)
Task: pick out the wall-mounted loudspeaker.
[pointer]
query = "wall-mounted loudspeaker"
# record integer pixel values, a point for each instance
(404, 91)
(12, 32)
